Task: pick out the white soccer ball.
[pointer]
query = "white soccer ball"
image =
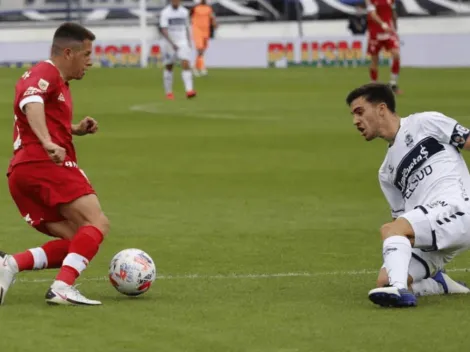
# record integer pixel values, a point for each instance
(132, 272)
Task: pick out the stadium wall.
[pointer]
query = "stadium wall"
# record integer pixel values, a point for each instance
(436, 42)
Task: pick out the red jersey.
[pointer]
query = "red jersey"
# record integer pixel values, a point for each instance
(384, 9)
(44, 84)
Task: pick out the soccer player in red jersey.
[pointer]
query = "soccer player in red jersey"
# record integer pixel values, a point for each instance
(51, 192)
(382, 26)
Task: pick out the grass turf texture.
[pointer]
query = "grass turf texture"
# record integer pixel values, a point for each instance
(262, 173)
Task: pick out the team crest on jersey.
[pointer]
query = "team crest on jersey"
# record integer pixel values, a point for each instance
(43, 84)
(409, 140)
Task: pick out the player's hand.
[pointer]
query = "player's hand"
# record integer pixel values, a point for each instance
(56, 152)
(387, 28)
(87, 126)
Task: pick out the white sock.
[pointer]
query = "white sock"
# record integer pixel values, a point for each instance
(187, 79)
(393, 78)
(168, 81)
(75, 261)
(397, 256)
(427, 287)
(40, 258)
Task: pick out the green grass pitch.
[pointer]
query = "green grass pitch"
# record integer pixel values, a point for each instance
(258, 201)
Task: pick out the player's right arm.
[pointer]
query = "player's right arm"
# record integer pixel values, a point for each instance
(395, 16)
(33, 90)
(36, 117)
(392, 195)
(163, 25)
(371, 9)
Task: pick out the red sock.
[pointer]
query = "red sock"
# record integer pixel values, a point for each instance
(56, 252)
(50, 256)
(374, 74)
(396, 66)
(84, 246)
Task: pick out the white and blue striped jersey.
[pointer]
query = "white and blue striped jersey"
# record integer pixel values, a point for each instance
(424, 166)
(177, 22)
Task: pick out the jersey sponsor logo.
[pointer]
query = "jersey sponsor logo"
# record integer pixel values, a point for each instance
(61, 97)
(459, 136)
(177, 21)
(415, 158)
(32, 91)
(415, 179)
(43, 84)
(70, 164)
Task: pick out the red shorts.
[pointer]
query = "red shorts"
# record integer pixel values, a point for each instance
(374, 46)
(39, 188)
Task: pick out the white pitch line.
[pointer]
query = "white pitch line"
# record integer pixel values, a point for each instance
(156, 108)
(247, 276)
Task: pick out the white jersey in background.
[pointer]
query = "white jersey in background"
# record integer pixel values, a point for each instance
(426, 181)
(177, 22)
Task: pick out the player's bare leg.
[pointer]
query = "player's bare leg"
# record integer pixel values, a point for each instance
(200, 64)
(187, 76)
(49, 256)
(395, 70)
(168, 81)
(93, 226)
(374, 67)
(398, 239)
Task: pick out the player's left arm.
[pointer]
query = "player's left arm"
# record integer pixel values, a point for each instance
(446, 130)
(86, 126)
(373, 14)
(213, 19)
(188, 30)
(395, 15)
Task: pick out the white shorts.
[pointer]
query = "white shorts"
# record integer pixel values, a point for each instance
(441, 232)
(170, 56)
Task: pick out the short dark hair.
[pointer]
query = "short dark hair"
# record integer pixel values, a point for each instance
(73, 31)
(374, 93)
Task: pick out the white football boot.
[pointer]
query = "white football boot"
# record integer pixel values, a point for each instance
(7, 275)
(62, 294)
(449, 285)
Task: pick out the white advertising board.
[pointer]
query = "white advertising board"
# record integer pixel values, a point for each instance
(438, 50)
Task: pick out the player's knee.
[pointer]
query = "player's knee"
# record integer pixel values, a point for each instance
(386, 230)
(185, 65)
(399, 227)
(102, 223)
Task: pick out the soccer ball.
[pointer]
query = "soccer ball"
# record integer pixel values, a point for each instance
(132, 272)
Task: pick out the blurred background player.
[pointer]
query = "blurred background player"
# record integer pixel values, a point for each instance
(175, 28)
(203, 21)
(382, 27)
